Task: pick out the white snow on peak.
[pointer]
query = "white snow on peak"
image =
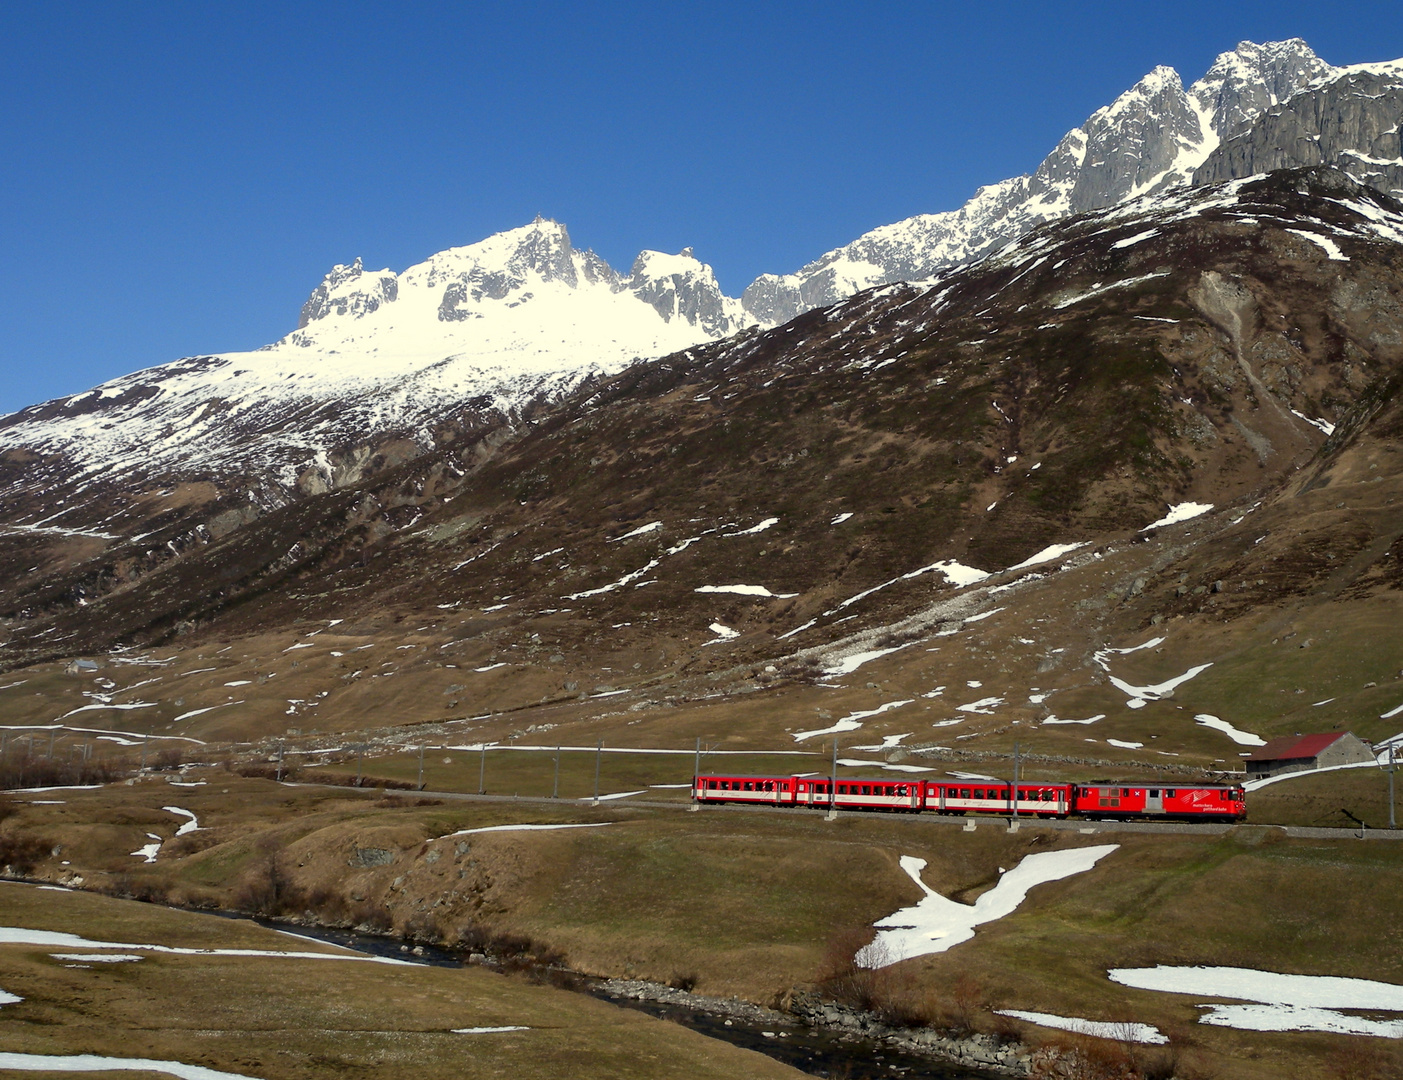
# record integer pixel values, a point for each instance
(520, 315)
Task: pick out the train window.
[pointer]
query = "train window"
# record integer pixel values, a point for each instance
(964, 793)
(1154, 793)
(749, 786)
(867, 789)
(842, 789)
(711, 784)
(1125, 791)
(1169, 793)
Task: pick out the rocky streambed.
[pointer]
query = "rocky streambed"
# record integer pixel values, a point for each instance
(824, 1038)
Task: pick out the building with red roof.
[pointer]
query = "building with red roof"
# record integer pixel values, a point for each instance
(1301, 753)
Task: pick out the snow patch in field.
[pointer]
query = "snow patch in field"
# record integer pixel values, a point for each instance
(1139, 695)
(7, 998)
(936, 923)
(839, 519)
(835, 729)
(1283, 1002)
(1122, 1031)
(98, 958)
(1242, 738)
(100, 1063)
(848, 664)
(208, 708)
(753, 529)
(1126, 745)
(1047, 554)
(1323, 425)
(533, 828)
(147, 852)
(618, 795)
(983, 707)
(1325, 243)
(1391, 713)
(490, 1030)
(19, 935)
(744, 590)
(722, 632)
(861, 763)
(1181, 512)
(193, 825)
(652, 526)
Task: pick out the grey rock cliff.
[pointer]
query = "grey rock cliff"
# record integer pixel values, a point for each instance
(1350, 123)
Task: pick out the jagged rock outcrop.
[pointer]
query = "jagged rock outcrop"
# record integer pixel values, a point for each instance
(1350, 122)
(1150, 138)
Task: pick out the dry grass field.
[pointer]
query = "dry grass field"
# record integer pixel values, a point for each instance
(737, 903)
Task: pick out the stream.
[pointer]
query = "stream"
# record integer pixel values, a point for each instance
(817, 1051)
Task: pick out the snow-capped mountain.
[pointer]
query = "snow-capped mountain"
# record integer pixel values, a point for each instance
(1153, 136)
(520, 316)
(384, 365)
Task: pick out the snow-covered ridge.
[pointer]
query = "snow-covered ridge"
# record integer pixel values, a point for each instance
(1150, 138)
(520, 316)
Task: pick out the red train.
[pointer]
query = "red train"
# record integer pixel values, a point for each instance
(1204, 802)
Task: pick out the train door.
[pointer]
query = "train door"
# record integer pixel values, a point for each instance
(1154, 801)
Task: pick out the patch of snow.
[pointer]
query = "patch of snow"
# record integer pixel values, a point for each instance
(1126, 745)
(753, 529)
(834, 729)
(101, 1063)
(1325, 243)
(533, 828)
(1181, 512)
(1122, 1031)
(848, 664)
(936, 923)
(652, 526)
(839, 519)
(983, 707)
(722, 632)
(1139, 695)
(147, 852)
(1242, 738)
(488, 1030)
(1047, 554)
(193, 825)
(744, 590)
(619, 795)
(1323, 425)
(1285, 1002)
(99, 958)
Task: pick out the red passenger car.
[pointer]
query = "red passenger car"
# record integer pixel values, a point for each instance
(996, 797)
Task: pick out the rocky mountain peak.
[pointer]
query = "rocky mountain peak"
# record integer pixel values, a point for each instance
(348, 290)
(1246, 82)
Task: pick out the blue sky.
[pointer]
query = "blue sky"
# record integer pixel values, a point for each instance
(177, 177)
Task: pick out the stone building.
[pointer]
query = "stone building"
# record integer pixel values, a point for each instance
(1301, 753)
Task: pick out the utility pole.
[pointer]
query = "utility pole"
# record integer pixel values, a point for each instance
(482, 771)
(421, 768)
(1015, 779)
(833, 786)
(144, 740)
(598, 757)
(280, 763)
(555, 784)
(360, 747)
(1392, 823)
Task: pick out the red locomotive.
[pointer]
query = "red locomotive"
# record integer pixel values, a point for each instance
(1204, 802)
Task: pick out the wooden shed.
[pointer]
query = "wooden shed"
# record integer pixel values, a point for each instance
(1301, 753)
